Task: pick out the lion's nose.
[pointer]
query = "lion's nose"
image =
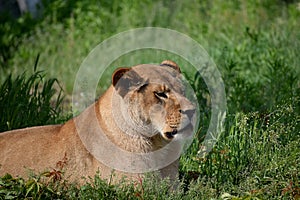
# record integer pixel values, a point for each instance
(189, 113)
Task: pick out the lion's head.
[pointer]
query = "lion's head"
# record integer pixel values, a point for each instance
(152, 100)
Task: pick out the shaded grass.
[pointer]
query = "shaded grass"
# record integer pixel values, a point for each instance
(241, 30)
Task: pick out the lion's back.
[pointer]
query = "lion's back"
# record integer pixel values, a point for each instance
(26, 147)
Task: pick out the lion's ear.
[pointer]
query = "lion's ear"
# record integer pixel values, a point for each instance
(171, 64)
(125, 80)
(117, 75)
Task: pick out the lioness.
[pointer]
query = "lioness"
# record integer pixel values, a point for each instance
(144, 111)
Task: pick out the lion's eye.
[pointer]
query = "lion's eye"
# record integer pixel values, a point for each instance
(161, 95)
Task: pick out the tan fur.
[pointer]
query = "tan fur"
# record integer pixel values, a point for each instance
(156, 108)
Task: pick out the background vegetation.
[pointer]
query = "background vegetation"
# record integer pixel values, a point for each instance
(255, 45)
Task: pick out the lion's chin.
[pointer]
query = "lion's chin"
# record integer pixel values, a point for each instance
(170, 134)
(185, 132)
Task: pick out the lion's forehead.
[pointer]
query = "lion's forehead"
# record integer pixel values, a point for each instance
(160, 75)
(154, 70)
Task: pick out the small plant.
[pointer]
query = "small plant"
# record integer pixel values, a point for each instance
(35, 187)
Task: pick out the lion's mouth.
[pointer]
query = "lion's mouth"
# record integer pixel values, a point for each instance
(171, 134)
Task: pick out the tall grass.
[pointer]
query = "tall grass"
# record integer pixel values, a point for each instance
(29, 101)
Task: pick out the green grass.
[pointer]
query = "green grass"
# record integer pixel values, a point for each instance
(255, 45)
